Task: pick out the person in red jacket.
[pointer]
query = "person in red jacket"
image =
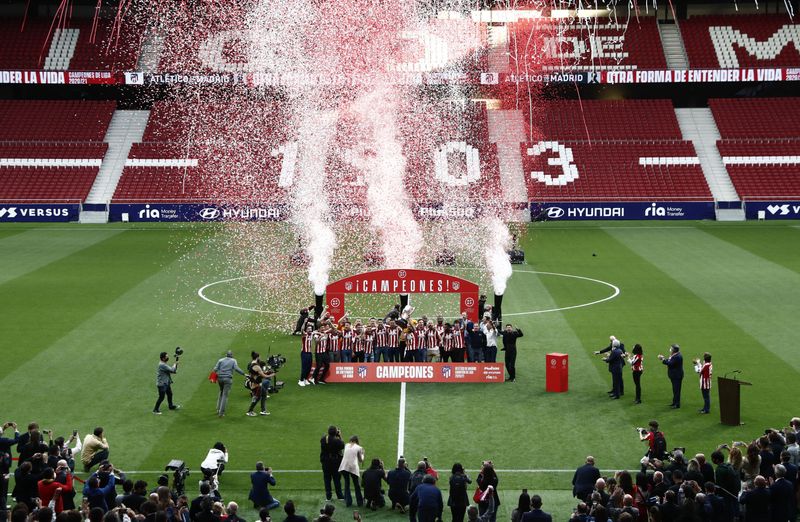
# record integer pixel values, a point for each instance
(48, 487)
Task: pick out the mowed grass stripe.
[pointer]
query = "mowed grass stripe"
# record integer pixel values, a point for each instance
(715, 306)
(513, 424)
(753, 293)
(48, 303)
(779, 245)
(23, 251)
(105, 365)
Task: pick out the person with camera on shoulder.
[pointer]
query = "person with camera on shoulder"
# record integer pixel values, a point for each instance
(258, 382)
(164, 373)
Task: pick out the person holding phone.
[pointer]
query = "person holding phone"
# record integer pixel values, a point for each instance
(351, 460)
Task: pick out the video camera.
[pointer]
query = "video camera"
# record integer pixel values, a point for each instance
(178, 353)
(274, 362)
(179, 472)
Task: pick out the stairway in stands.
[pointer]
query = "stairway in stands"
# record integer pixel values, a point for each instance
(674, 51)
(126, 128)
(698, 125)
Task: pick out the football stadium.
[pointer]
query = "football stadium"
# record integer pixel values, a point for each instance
(399, 259)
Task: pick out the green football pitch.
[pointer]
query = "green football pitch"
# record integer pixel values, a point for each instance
(86, 309)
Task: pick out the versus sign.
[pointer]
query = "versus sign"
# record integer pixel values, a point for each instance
(52, 213)
(416, 372)
(196, 212)
(773, 209)
(573, 211)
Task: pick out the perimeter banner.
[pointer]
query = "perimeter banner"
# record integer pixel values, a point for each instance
(772, 209)
(52, 212)
(618, 210)
(417, 372)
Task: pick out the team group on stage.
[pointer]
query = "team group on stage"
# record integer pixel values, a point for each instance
(398, 338)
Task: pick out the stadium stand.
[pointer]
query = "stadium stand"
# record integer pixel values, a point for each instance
(597, 43)
(584, 151)
(22, 49)
(734, 41)
(68, 48)
(759, 145)
(51, 150)
(51, 120)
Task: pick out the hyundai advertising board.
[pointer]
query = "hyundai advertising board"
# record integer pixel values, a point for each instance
(573, 211)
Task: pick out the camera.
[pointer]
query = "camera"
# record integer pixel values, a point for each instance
(274, 363)
(178, 353)
(179, 475)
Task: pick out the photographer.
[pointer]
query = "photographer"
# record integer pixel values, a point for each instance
(259, 377)
(372, 478)
(214, 464)
(261, 480)
(330, 456)
(657, 444)
(95, 449)
(164, 374)
(48, 487)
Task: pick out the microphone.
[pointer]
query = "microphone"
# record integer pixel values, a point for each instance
(734, 372)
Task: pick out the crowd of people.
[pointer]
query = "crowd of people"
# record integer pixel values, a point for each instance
(399, 337)
(746, 481)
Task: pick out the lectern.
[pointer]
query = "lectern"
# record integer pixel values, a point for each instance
(729, 400)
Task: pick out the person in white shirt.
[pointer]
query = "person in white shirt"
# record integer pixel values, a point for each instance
(214, 464)
(351, 460)
(490, 352)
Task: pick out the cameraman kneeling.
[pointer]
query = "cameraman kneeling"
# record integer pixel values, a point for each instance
(214, 464)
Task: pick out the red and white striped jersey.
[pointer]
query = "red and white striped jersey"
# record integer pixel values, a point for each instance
(334, 342)
(411, 342)
(447, 341)
(439, 329)
(637, 363)
(432, 339)
(322, 343)
(348, 340)
(358, 344)
(458, 338)
(369, 341)
(381, 336)
(420, 339)
(704, 369)
(393, 336)
(307, 343)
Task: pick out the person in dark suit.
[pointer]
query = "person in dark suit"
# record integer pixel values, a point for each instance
(536, 514)
(781, 496)
(613, 342)
(261, 480)
(584, 480)
(426, 501)
(756, 501)
(398, 480)
(510, 335)
(330, 456)
(674, 364)
(615, 363)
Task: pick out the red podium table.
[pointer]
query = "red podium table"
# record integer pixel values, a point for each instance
(557, 378)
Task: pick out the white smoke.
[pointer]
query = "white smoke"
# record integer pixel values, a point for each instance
(389, 206)
(310, 210)
(496, 253)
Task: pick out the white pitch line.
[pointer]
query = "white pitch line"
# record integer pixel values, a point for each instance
(615, 293)
(401, 421)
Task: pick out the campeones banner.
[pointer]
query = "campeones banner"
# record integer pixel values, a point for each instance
(416, 372)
